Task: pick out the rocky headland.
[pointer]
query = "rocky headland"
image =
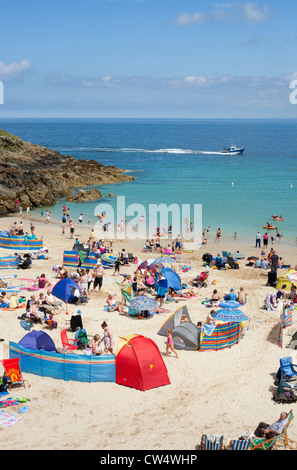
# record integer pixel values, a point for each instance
(37, 176)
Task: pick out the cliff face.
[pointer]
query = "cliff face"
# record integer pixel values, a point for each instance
(36, 175)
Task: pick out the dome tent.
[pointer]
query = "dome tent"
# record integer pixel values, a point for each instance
(186, 336)
(172, 277)
(174, 320)
(139, 363)
(38, 340)
(285, 280)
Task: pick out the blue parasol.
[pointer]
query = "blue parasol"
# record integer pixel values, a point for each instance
(230, 314)
(142, 302)
(164, 259)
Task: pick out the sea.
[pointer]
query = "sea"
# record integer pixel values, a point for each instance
(179, 161)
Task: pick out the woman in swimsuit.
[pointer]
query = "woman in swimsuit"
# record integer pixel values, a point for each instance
(107, 338)
(219, 233)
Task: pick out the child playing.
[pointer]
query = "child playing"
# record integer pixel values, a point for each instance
(170, 343)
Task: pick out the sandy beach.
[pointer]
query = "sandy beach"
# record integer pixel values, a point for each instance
(226, 392)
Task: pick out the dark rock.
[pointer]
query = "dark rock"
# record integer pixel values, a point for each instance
(36, 175)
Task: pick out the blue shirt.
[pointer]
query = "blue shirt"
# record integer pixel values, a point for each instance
(279, 425)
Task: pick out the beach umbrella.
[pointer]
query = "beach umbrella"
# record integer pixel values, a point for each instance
(109, 258)
(230, 315)
(292, 276)
(164, 259)
(142, 302)
(142, 265)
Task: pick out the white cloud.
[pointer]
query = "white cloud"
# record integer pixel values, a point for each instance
(191, 18)
(250, 12)
(254, 12)
(14, 70)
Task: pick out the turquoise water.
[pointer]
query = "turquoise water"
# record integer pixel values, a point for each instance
(176, 161)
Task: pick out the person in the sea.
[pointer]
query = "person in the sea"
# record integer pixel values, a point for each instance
(218, 235)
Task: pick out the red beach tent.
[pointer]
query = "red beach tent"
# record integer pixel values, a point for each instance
(139, 363)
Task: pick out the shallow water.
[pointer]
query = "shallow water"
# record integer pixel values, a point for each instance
(180, 161)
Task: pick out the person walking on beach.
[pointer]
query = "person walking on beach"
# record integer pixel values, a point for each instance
(99, 273)
(71, 224)
(265, 240)
(170, 343)
(117, 265)
(235, 237)
(219, 233)
(258, 240)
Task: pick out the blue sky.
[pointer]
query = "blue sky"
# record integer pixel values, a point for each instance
(148, 58)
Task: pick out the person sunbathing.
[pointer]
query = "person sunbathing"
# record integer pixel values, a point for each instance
(42, 281)
(114, 305)
(188, 294)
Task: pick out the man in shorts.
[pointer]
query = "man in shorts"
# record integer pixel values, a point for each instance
(99, 273)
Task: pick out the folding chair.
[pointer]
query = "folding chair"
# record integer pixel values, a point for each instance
(13, 371)
(283, 439)
(67, 345)
(240, 444)
(211, 442)
(286, 370)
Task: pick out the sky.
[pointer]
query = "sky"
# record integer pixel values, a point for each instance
(148, 59)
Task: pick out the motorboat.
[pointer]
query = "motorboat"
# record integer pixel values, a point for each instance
(233, 150)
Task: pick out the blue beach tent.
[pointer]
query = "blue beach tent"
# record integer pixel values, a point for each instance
(64, 290)
(38, 340)
(173, 279)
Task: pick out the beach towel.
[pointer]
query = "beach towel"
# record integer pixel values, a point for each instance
(12, 402)
(25, 325)
(126, 291)
(208, 329)
(214, 438)
(8, 419)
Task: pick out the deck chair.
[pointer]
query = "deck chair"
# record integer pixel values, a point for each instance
(13, 371)
(211, 442)
(287, 367)
(2, 283)
(224, 254)
(283, 439)
(240, 444)
(50, 323)
(67, 345)
(286, 370)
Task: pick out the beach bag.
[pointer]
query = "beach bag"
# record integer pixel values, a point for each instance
(6, 381)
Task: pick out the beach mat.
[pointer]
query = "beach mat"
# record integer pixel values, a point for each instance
(8, 419)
